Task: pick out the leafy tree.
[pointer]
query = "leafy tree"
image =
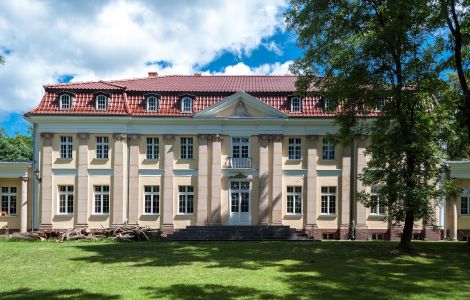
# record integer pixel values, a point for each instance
(367, 50)
(18, 147)
(1, 60)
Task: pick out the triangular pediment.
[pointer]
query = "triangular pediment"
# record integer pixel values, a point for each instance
(240, 106)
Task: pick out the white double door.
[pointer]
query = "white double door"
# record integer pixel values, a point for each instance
(240, 202)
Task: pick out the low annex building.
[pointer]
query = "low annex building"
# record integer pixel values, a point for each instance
(172, 151)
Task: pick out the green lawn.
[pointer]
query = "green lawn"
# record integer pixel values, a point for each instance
(239, 270)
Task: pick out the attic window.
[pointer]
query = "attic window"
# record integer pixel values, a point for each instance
(101, 102)
(380, 104)
(65, 102)
(152, 103)
(186, 105)
(328, 105)
(295, 104)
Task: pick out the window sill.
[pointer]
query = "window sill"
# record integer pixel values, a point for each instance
(377, 217)
(185, 215)
(65, 159)
(64, 215)
(100, 215)
(150, 215)
(100, 159)
(465, 216)
(297, 160)
(151, 159)
(8, 216)
(327, 216)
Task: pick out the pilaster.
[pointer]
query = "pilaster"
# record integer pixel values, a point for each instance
(119, 187)
(24, 204)
(167, 209)
(46, 182)
(216, 175)
(345, 193)
(263, 179)
(202, 180)
(134, 195)
(277, 180)
(82, 180)
(310, 211)
(361, 211)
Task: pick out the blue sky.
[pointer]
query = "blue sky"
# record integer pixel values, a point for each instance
(61, 41)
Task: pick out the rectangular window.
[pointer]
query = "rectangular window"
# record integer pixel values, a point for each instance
(378, 205)
(102, 147)
(294, 148)
(152, 148)
(328, 200)
(328, 236)
(328, 152)
(465, 202)
(8, 205)
(152, 199)
(101, 199)
(294, 200)
(186, 199)
(66, 199)
(186, 149)
(66, 146)
(380, 104)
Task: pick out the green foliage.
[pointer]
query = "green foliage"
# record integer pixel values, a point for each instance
(368, 50)
(18, 147)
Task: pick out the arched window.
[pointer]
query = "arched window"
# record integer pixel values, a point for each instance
(295, 104)
(101, 102)
(152, 103)
(65, 102)
(186, 105)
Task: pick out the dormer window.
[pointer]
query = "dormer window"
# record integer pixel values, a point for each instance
(186, 105)
(65, 102)
(295, 104)
(152, 103)
(328, 105)
(380, 104)
(101, 102)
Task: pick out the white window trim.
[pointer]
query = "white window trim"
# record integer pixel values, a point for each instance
(294, 194)
(292, 110)
(156, 103)
(289, 144)
(380, 103)
(378, 206)
(186, 152)
(67, 194)
(328, 194)
(328, 144)
(155, 146)
(68, 144)
(101, 194)
(98, 98)
(232, 143)
(102, 144)
(61, 102)
(327, 105)
(186, 201)
(465, 193)
(190, 105)
(9, 194)
(151, 194)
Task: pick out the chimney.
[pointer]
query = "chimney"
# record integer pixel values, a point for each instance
(197, 74)
(153, 74)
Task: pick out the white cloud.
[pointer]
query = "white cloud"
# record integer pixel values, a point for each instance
(264, 69)
(114, 39)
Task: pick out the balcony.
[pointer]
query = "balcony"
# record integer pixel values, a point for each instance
(239, 163)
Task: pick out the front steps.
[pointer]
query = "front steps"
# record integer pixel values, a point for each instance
(237, 233)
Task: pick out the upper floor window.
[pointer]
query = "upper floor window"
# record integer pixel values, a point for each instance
(380, 104)
(294, 200)
(294, 148)
(378, 205)
(66, 146)
(8, 203)
(102, 147)
(186, 149)
(328, 105)
(101, 102)
(65, 199)
(152, 148)
(465, 202)
(328, 151)
(152, 103)
(295, 104)
(186, 105)
(328, 200)
(65, 102)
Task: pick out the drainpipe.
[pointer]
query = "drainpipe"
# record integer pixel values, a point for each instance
(35, 191)
(128, 178)
(352, 194)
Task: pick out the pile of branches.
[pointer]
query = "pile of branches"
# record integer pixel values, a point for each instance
(124, 233)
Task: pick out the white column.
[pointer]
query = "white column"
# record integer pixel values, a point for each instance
(46, 183)
(216, 178)
(277, 180)
(454, 220)
(119, 178)
(361, 211)
(82, 180)
(310, 210)
(202, 177)
(345, 192)
(134, 196)
(263, 180)
(167, 217)
(24, 204)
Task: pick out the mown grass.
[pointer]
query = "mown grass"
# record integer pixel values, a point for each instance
(238, 270)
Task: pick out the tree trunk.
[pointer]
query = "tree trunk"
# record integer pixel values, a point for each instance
(407, 235)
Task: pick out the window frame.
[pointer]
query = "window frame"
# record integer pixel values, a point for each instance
(154, 154)
(99, 98)
(380, 103)
(295, 105)
(186, 195)
(10, 204)
(183, 106)
(155, 106)
(465, 194)
(294, 148)
(102, 148)
(66, 147)
(379, 209)
(328, 194)
(328, 150)
(154, 192)
(61, 102)
(328, 105)
(67, 195)
(295, 192)
(186, 149)
(102, 199)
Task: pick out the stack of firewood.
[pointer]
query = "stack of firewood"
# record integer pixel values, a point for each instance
(124, 233)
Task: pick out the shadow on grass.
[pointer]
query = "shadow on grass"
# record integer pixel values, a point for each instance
(312, 270)
(53, 295)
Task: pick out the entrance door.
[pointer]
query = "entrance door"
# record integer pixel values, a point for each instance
(240, 202)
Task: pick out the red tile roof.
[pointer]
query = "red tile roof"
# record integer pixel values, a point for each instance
(127, 97)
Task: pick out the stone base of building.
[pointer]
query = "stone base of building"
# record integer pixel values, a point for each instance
(463, 235)
(167, 230)
(45, 227)
(361, 233)
(344, 232)
(313, 232)
(5, 231)
(431, 233)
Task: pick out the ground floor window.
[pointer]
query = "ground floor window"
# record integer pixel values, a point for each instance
(66, 199)
(294, 200)
(152, 199)
(8, 204)
(465, 202)
(101, 199)
(328, 200)
(378, 203)
(186, 199)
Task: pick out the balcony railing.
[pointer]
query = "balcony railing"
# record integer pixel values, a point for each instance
(239, 163)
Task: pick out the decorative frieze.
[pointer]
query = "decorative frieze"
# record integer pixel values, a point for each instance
(47, 136)
(169, 138)
(119, 136)
(83, 136)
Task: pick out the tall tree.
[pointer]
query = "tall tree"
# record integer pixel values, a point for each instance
(366, 50)
(14, 148)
